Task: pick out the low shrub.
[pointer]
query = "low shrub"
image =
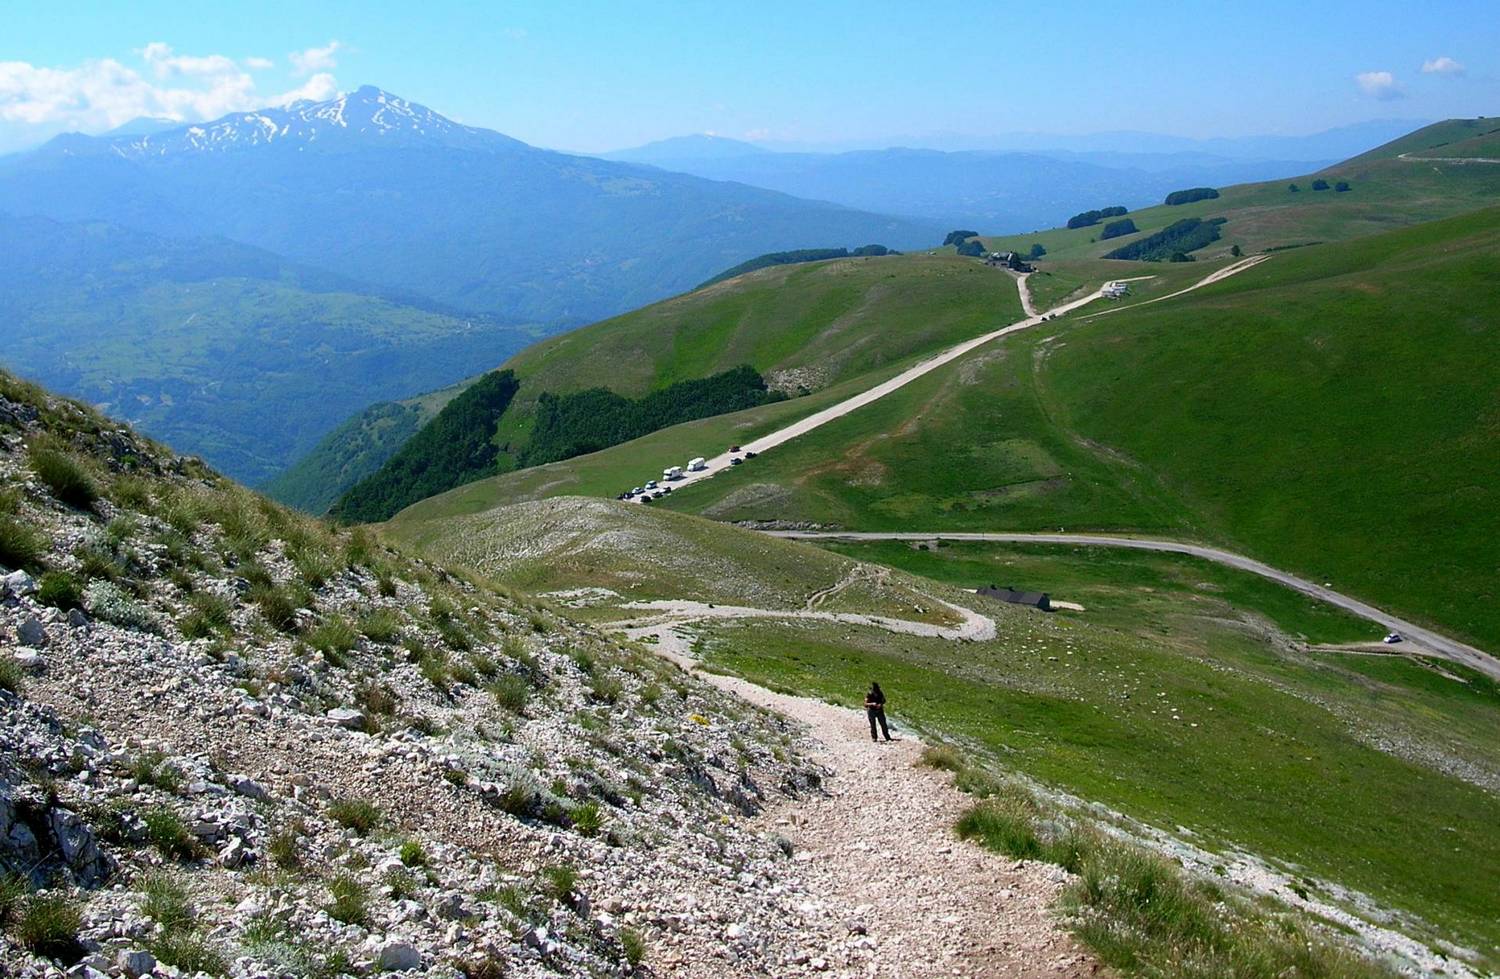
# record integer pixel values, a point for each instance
(106, 600)
(10, 675)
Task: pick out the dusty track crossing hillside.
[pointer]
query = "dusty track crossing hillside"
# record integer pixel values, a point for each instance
(916, 902)
(1433, 642)
(721, 463)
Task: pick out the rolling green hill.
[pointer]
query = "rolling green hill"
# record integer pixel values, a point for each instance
(1332, 411)
(1386, 192)
(804, 327)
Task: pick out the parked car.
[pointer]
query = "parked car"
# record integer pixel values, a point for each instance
(734, 448)
(736, 461)
(1392, 638)
(751, 455)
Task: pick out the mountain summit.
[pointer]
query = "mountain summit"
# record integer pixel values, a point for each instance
(366, 117)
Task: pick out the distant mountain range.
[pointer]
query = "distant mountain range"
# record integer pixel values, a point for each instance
(1016, 182)
(386, 191)
(239, 287)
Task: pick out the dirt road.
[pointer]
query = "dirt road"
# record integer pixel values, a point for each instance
(1434, 642)
(720, 463)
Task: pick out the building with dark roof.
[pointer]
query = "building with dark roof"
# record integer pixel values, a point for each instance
(1036, 599)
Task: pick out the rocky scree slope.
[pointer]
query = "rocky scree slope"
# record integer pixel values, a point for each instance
(236, 742)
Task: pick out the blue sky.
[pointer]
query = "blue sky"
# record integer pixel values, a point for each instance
(595, 76)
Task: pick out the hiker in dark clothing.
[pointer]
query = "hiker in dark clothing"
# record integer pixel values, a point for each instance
(875, 710)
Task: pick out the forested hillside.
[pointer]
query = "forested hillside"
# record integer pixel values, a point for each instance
(454, 448)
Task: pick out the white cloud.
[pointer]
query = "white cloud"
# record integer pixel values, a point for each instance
(104, 93)
(756, 135)
(311, 60)
(259, 64)
(1443, 65)
(1379, 85)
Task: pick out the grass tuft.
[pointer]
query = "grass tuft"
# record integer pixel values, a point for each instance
(351, 812)
(63, 473)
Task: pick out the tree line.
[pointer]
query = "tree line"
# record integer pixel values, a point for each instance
(797, 257)
(456, 447)
(1172, 243)
(586, 421)
(1085, 219)
(1192, 194)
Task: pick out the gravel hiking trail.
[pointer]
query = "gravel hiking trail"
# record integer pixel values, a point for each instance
(878, 845)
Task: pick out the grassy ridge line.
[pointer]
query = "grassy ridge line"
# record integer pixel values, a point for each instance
(1387, 192)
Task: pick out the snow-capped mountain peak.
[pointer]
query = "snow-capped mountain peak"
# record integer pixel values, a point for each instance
(366, 117)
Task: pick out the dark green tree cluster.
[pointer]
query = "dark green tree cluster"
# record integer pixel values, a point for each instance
(1037, 251)
(1124, 226)
(1172, 243)
(959, 237)
(972, 248)
(796, 258)
(1342, 187)
(1192, 194)
(456, 447)
(1320, 184)
(587, 421)
(1088, 218)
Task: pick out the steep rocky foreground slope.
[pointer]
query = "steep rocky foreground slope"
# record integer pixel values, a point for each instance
(236, 742)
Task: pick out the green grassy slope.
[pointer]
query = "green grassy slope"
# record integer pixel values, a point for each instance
(1446, 138)
(1332, 411)
(1386, 192)
(827, 321)
(803, 327)
(1174, 698)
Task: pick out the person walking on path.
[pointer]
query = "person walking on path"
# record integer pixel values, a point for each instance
(875, 710)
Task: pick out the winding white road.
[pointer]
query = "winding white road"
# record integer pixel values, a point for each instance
(720, 463)
(1437, 643)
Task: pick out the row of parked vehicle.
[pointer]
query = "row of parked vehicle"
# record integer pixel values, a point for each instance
(654, 490)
